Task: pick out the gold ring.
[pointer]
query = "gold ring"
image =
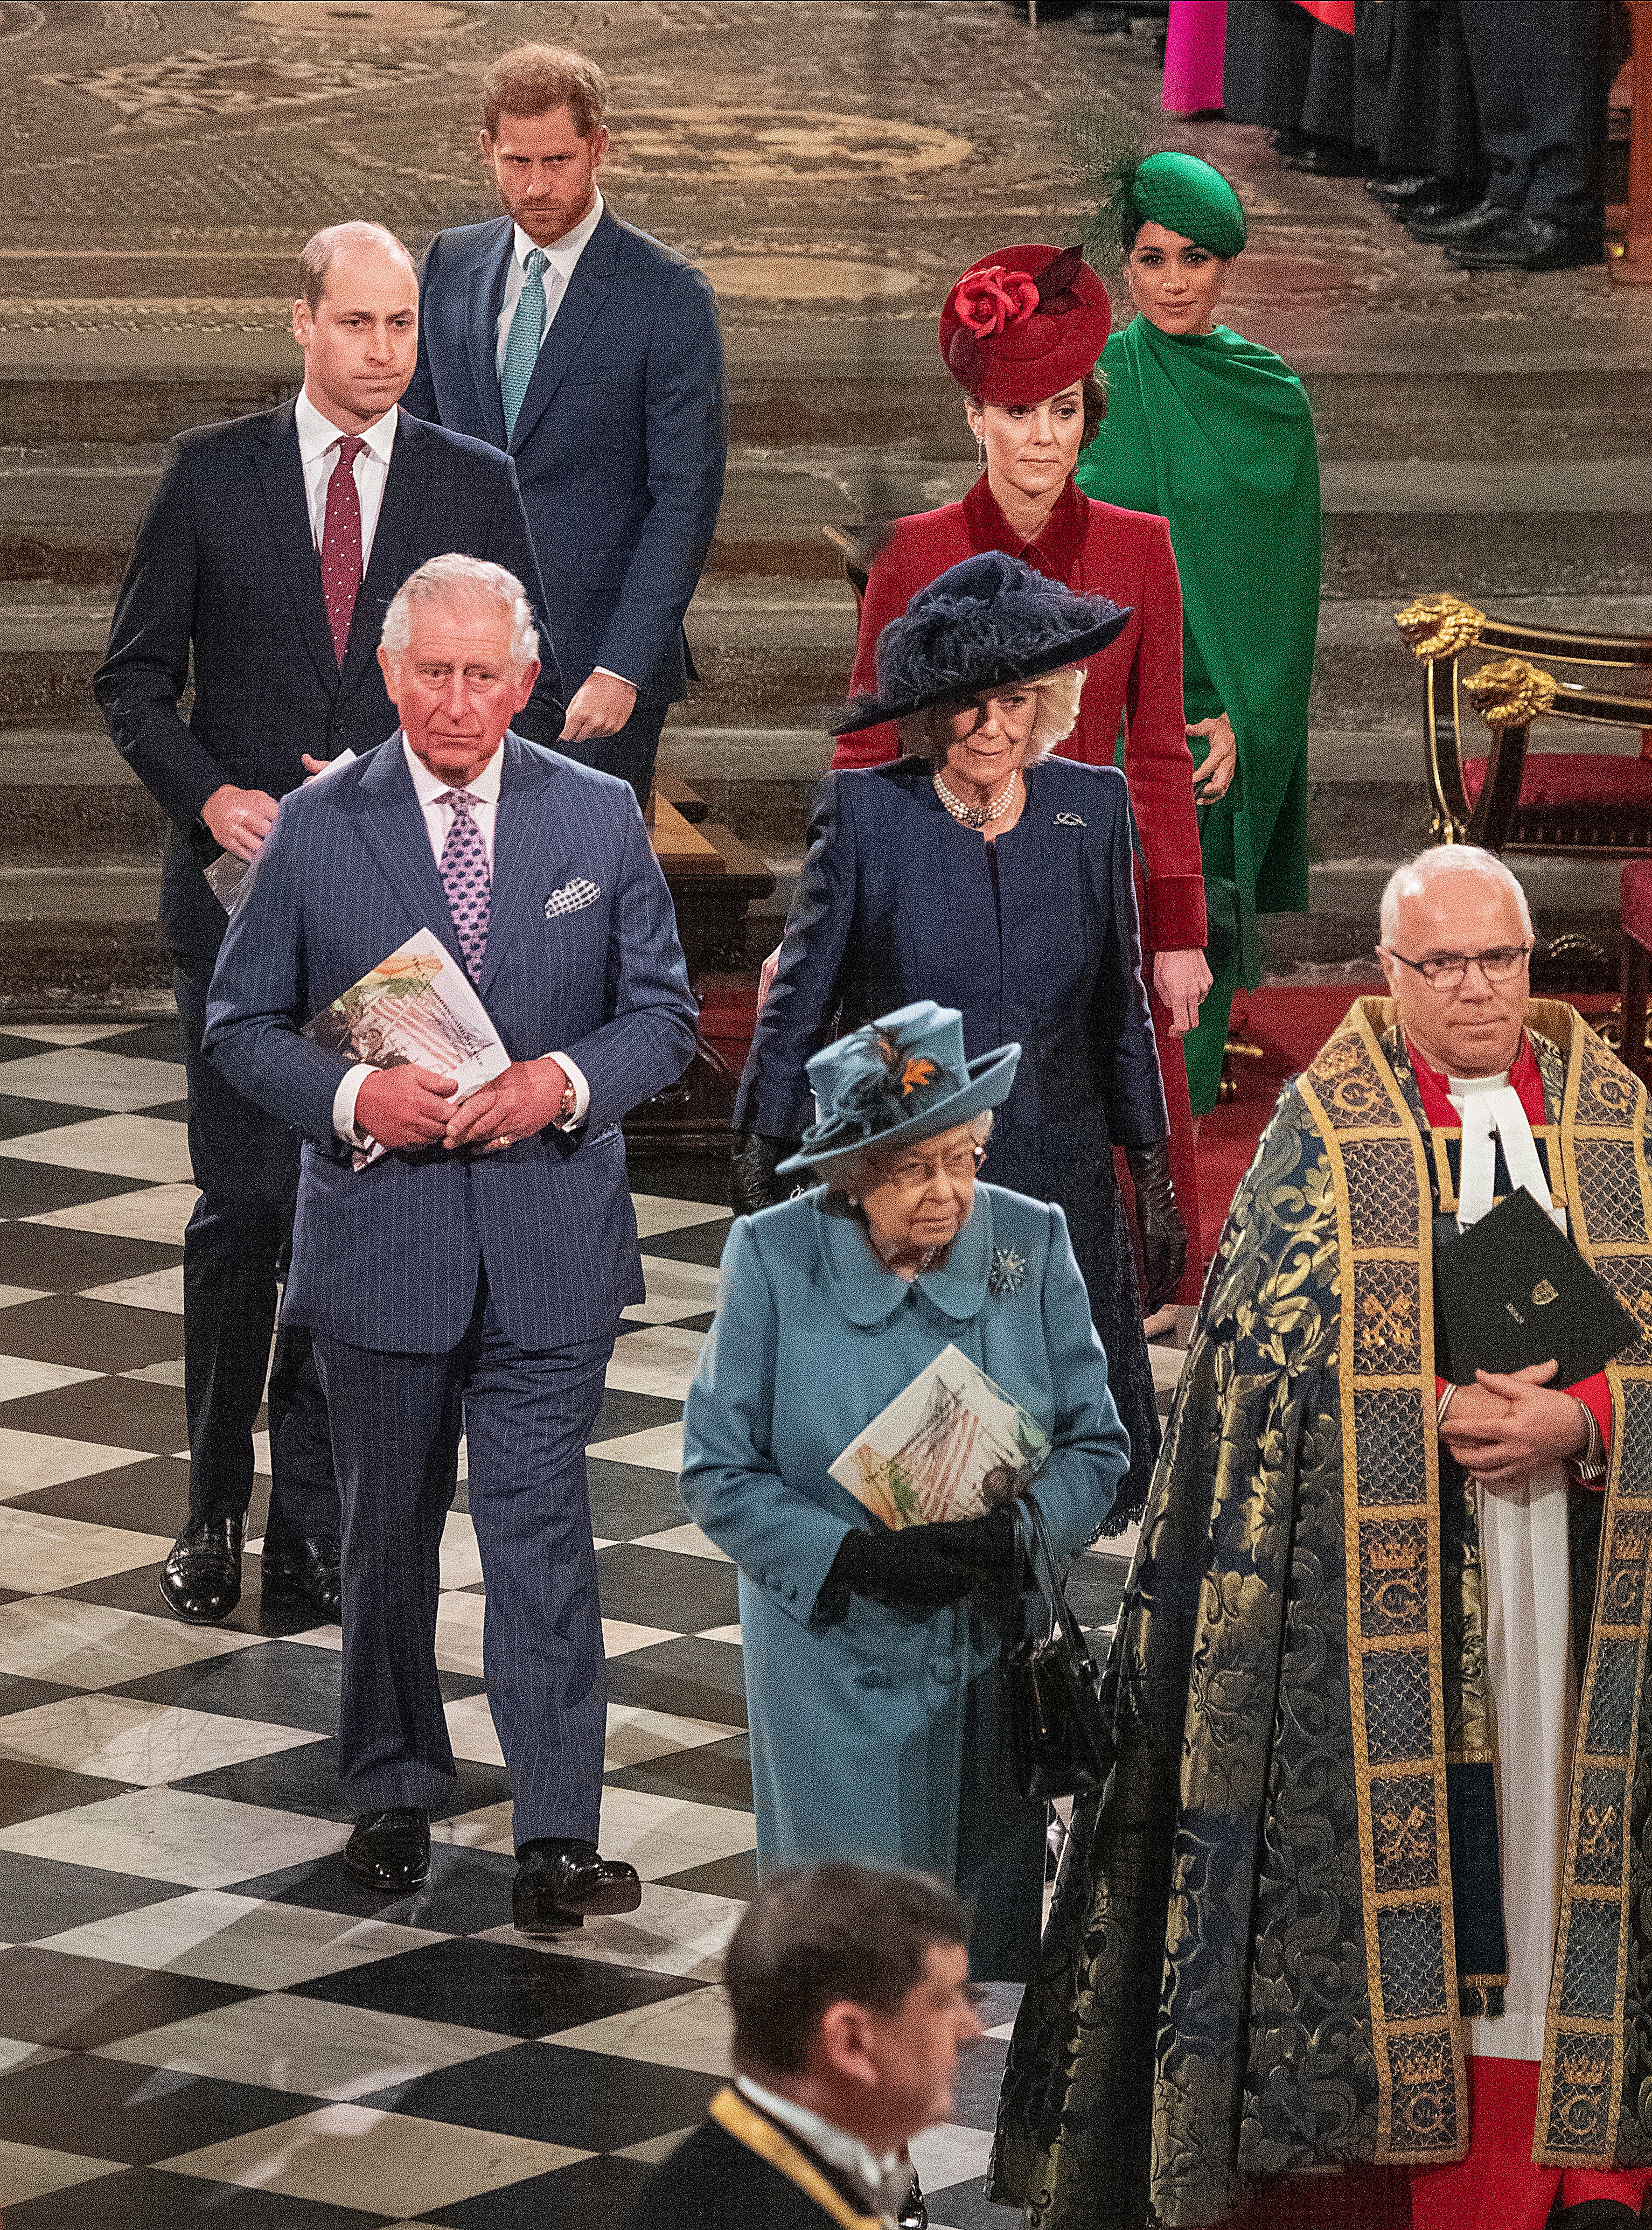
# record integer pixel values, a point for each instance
(501, 1142)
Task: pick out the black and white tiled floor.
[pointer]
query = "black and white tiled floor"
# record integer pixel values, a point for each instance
(201, 2016)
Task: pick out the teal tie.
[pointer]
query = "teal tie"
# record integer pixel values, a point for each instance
(522, 341)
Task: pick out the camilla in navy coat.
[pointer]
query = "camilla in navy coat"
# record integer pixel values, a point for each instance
(1032, 938)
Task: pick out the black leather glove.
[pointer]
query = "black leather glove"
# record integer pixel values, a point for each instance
(752, 1183)
(985, 1544)
(904, 1568)
(1158, 1223)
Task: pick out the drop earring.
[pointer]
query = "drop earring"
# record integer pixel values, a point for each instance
(980, 454)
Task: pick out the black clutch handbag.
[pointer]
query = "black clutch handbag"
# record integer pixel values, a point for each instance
(1060, 1742)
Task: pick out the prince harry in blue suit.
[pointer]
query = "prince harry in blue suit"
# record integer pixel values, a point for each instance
(591, 354)
(471, 1280)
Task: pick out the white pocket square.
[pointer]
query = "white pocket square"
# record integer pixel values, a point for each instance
(582, 892)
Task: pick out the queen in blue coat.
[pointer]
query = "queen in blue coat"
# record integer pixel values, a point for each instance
(1018, 909)
(872, 1655)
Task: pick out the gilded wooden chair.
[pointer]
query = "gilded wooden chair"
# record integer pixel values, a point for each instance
(1570, 803)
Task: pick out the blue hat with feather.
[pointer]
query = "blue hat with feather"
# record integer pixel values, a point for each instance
(986, 623)
(896, 1081)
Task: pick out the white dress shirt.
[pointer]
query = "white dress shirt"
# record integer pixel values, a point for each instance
(319, 439)
(430, 790)
(886, 2182)
(560, 257)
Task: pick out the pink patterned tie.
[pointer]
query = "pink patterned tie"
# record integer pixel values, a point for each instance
(465, 878)
(341, 543)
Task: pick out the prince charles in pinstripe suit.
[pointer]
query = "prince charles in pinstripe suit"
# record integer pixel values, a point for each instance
(472, 1278)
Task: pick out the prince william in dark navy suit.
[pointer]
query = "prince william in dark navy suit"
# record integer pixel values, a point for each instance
(472, 1279)
(591, 354)
(265, 564)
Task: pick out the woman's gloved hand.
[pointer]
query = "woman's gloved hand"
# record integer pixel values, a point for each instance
(752, 1183)
(905, 1566)
(1158, 1223)
(985, 1544)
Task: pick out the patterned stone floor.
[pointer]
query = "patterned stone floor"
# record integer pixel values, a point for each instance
(201, 2016)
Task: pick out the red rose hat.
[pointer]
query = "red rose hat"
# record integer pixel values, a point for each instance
(1023, 323)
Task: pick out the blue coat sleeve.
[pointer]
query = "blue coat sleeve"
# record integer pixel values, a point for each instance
(687, 437)
(783, 1541)
(1080, 1480)
(258, 1003)
(1121, 1024)
(795, 1019)
(648, 1038)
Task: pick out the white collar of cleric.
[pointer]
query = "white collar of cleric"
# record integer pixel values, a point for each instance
(1491, 1110)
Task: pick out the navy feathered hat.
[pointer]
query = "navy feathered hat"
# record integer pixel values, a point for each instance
(985, 624)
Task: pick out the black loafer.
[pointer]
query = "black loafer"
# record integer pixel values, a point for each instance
(300, 1586)
(200, 1581)
(390, 1850)
(557, 1883)
(1529, 243)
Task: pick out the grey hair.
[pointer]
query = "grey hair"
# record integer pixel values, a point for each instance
(863, 1165)
(923, 735)
(315, 257)
(453, 578)
(1410, 880)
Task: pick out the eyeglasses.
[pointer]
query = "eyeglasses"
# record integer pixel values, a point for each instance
(1443, 972)
(957, 1168)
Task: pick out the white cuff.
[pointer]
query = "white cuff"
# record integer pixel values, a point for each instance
(344, 1104)
(612, 676)
(576, 1076)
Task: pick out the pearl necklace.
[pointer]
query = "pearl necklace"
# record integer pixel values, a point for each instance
(975, 817)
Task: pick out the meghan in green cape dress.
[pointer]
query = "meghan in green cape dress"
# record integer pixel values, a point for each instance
(1216, 433)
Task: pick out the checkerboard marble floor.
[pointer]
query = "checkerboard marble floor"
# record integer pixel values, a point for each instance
(201, 2016)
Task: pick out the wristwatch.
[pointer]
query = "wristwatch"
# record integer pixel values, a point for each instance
(570, 1101)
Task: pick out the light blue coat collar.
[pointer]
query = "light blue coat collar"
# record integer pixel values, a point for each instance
(869, 1295)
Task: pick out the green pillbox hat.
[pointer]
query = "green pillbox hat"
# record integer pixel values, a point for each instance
(1188, 197)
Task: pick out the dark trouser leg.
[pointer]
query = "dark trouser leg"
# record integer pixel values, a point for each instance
(303, 1493)
(396, 1424)
(246, 1164)
(528, 1420)
(630, 752)
(1538, 67)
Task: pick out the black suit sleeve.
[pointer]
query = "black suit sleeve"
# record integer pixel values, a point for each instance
(1124, 1050)
(509, 546)
(147, 667)
(795, 1019)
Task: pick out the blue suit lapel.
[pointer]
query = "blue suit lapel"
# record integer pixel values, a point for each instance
(281, 479)
(484, 296)
(522, 877)
(392, 827)
(587, 291)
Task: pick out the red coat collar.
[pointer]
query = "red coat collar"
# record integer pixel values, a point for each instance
(1055, 554)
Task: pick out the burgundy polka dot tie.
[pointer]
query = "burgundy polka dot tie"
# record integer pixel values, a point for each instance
(341, 543)
(465, 878)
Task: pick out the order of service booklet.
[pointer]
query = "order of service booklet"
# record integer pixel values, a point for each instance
(951, 1444)
(1514, 1290)
(416, 1006)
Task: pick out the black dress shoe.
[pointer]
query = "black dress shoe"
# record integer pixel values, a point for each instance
(300, 1586)
(1441, 200)
(200, 1581)
(1329, 159)
(1385, 187)
(914, 2215)
(559, 1881)
(1484, 218)
(1529, 243)
(390, 1850)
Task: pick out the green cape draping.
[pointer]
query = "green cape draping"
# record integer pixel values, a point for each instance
(1216, 433)
(1252, 1965)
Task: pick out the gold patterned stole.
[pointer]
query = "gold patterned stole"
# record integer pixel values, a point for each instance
(1376, 1153)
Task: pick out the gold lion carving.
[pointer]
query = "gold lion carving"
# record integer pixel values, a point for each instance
(1440, 627)
(1511, 692)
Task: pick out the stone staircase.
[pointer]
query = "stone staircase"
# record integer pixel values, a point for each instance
(1528, 492)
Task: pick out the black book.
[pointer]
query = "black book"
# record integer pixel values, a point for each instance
(1512, 1290)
